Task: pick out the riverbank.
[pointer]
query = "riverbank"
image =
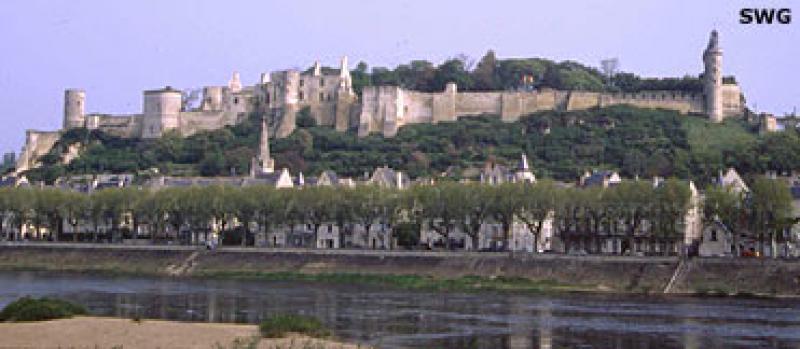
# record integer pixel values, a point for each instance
(99, 332)
(459, 271)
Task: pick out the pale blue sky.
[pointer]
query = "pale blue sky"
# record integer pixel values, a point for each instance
(116, 49)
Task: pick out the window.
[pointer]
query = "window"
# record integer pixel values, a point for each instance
(321, 96)
(321, 81)
(713, 235)
(302, 82)
(236, 100)
(300, 95)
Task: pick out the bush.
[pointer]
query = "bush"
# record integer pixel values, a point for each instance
(32, 309)
(282, 324)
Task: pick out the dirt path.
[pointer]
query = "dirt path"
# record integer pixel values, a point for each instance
(95, 332)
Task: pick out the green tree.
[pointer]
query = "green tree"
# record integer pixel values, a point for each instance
(75, 210)
(474, 198)
(485, 74)
(246, 207)
(505, 201)
(672, 202)
(770, 211)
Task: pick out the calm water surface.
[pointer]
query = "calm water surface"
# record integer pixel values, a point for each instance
(390, 318)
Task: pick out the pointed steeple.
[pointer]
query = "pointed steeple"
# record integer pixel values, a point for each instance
(523, 163)
(317, 69)
(263, 162)
(524, 173)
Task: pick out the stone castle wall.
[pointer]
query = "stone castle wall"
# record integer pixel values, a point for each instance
(387, 108)
(731, 100)
(197, 121)
(330, 100)
(37, 144)
(126, 126)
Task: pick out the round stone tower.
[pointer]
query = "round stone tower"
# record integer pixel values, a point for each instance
(712, 78)
(74, 108)
(161, 111)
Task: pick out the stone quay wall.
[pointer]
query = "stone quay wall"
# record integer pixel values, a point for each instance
(600, 273)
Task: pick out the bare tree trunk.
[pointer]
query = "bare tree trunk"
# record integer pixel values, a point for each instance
(244, 234)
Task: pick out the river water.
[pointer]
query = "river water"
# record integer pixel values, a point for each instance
(391, 318)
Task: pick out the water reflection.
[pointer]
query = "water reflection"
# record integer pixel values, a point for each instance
(399, 319)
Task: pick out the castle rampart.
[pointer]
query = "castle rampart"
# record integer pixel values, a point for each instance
(330, 100)
(385, 108)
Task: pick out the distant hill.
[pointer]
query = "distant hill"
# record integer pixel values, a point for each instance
(560, 145)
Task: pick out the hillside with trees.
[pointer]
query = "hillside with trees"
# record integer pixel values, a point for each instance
(560, 145)
(493, 74)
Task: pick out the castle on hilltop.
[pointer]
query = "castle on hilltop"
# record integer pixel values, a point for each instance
(330, 101)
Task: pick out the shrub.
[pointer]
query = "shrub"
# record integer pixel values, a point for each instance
(281, 324)
(32, 309)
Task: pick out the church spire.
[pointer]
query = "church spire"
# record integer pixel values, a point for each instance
(263, 162)
(317, 69)
(523, 163)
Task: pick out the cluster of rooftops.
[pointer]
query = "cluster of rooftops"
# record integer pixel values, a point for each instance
(384, 176)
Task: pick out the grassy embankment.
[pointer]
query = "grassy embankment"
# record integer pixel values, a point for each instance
(411, 282)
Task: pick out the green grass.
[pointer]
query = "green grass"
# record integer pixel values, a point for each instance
(33, 309)
(280, 325)
(410, 282)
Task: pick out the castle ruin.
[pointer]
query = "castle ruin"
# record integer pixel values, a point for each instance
(331, 101)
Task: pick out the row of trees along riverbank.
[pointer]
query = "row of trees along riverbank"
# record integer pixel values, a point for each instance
(632, 209)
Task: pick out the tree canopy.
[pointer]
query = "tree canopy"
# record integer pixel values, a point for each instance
(560, 145)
